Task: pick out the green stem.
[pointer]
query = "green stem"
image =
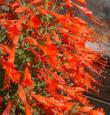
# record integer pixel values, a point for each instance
(46, 4)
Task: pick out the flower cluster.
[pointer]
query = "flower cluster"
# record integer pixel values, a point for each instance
(45, 63)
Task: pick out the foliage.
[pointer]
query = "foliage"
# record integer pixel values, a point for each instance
(45, 64)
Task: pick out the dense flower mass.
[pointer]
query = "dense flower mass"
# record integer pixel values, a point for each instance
(45, 64)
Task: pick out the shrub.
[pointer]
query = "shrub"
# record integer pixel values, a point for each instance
(45, 64)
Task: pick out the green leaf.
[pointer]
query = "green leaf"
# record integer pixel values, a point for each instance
(75, 109)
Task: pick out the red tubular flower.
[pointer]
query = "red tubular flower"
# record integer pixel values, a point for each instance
(97, 112)
(21, 9)
(27, 81)
(1, 100)
(22, 95)
(8, 108)
(5, 49)
(35, 22)
(85, 109)
(83, 2)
